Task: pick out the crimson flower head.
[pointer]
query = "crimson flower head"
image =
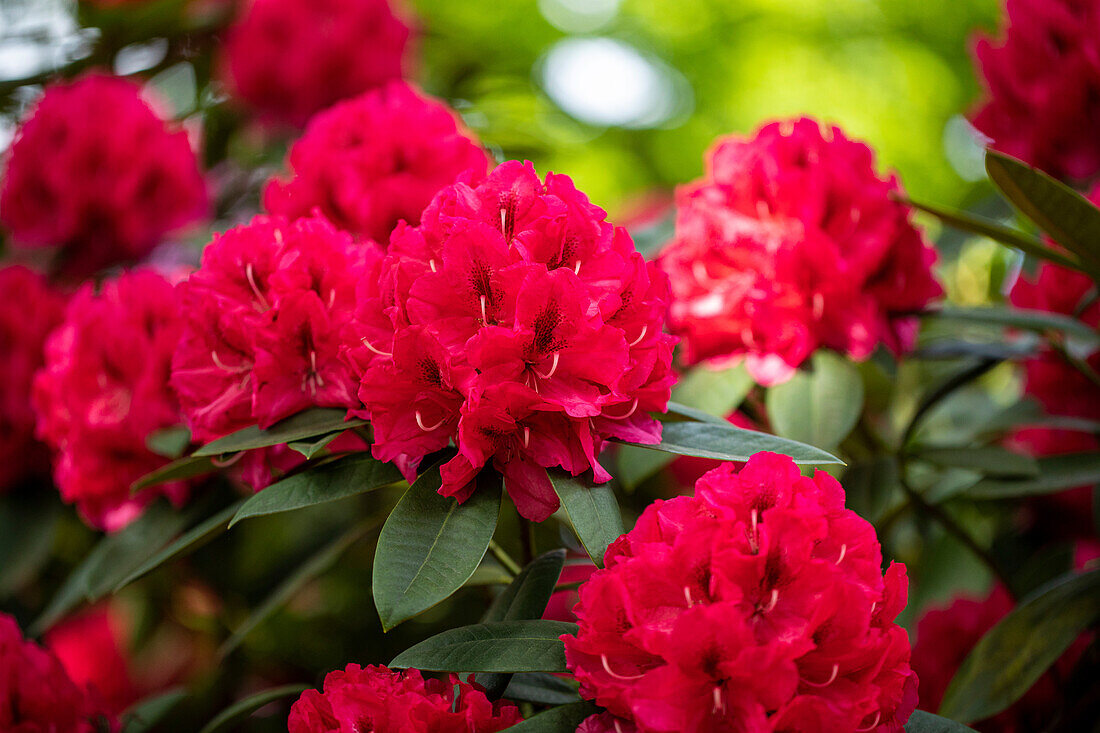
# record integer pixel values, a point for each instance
(104, 389)
(29, 310)
(37, 696)
(289, 59)
(790, 242)
(378, 699)
(518, 323)
(1042, 82)
(91, 647)
(759, 604)
(374, 160)
(94, 171)
(260, 341)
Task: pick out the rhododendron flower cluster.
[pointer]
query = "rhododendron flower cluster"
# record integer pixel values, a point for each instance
(517, 322)
(104, 389)
(261, 337)
(792, 241)
(37, 696)
(94, 171)
(91, 647)
(29, 310)
(291, 58)
(1043, 86)
(759, 604)
(375, 698)
(374, 160)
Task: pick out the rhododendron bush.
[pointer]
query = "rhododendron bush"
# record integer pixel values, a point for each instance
(353, 383)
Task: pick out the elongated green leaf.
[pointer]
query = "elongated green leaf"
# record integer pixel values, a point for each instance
(675, 409)
(144, 715)
(342, 478)
(506, 646)
(592, 510)
(871, 486)
(819, 407)
(999, 233)
(922, 722)
(728, 443)
(112, 559)
(954, 349)
(27, 532)
(312, 446)
(1012, 655)
(991, 460)
(227, 719)
(318, 563)
(178, 470)
(1057, 209)
(562, 719)
(524, 598)
(169, 442)
(185, 544)
(431, 545)
(543, 688)
(307, 424)
(713, 393)
(1056, 473)
(1022, 318)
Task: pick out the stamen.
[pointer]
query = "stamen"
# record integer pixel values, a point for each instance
(687, 596)
(826, 683)
(843, 550)
(503, 220)
(878, 717)
(431, 264)
(252, 282)
(746, 337)
(371, 346)
(278, 236)
(755, 519)
(553, 367)
(484, 318)
(633, 409)
(819, 305)
(699, 270)
(606, 668)
(225, 463)
(425, 428)
(225, 367)
(577, 268)
(618, 728)
(771, 603)
(719, 703)
(526, 437)
(635, 342)
(873, 607)
(331, 297)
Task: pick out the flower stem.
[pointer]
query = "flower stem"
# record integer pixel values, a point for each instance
(504, 558)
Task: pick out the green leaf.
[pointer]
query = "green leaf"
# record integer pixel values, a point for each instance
(692, 413)
(227, 719)
(169, 442)
(1056, 473)
(144, 715)
(1012, 655)
(185, 544)
(922, 722)
(307, 424)
(592, 510)
(178, 470)
(345, 477)
(562, 719)
(27, 532)
(819, 407)
(999, 233)
(318, 563)
(726, 442)
(112, 559)
(524, 598)
(1022, 318)
(431, 545)
(310, 448)
(991, 460)
(1057, 209)
(545, 689)
(506, 646)
(870, 486)
(714, 393)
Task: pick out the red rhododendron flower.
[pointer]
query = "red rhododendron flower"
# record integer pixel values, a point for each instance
(1061, 390)
(29, 310)
(372, 161)
(606, 723)
(1043, 86)
(946, 636)
(104, 389)
(37, 696)
(91, 646)
(291, 58)
(757, 605)
(260, 342)
(518, 323)
(378, 699)
(791, 241)
(93, 170)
